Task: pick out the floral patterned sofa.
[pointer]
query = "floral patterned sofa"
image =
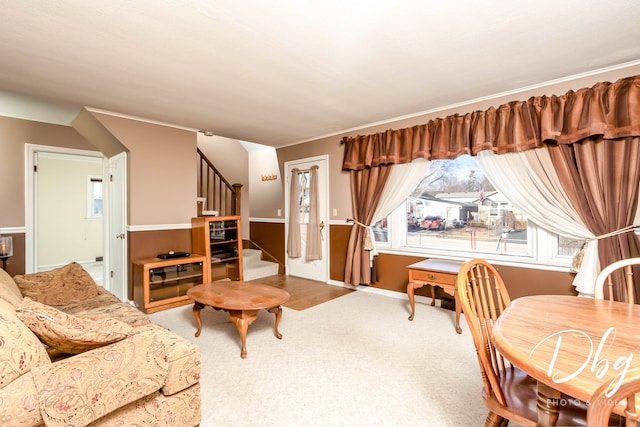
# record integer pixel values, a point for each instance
(72, 354)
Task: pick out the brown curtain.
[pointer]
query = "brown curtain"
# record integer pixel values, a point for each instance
(603, 183)
(367, 185)
(606, 109)
(607, 112)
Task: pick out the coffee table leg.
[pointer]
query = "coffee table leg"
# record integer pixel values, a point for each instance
(278, 312)
(196, 313)
(242, 320)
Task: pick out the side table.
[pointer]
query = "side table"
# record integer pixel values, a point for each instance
(434, 272)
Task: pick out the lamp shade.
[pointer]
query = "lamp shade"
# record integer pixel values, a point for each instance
(6, 246)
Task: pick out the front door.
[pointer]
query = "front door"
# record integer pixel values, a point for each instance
(300, 267)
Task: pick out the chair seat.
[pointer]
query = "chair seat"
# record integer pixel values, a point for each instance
(521, 394)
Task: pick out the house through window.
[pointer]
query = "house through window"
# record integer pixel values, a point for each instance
(456, 211)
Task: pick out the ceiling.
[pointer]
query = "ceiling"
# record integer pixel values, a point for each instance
(288, 71)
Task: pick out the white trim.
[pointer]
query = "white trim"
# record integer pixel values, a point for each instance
(273, 220)
(383, 292)
(13, 230)
(158, 227)
(72, 157)
(281, 221)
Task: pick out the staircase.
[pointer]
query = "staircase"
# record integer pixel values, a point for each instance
(217, 197)
(254, 267)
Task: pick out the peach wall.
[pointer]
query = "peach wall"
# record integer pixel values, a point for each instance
(14, 134)
(161, 172)
(265, 195)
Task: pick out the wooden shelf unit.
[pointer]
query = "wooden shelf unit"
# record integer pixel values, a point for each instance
(219, 238)
(159, 284)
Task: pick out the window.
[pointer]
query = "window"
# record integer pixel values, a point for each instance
(455, 211)
(94, 197)
(303, 196)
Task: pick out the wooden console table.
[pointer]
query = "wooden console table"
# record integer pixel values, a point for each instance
(434, 272)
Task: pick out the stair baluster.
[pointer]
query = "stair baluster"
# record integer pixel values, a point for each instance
(220, 195)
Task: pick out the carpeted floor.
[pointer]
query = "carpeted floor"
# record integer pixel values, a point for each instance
(352, 361)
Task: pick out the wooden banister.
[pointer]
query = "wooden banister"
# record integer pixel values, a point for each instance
(220, 195)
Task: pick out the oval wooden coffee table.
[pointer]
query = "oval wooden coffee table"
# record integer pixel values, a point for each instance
(242, 301)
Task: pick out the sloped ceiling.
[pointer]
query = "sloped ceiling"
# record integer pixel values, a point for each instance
(288, 71)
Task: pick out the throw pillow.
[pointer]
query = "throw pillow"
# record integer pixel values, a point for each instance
(61, 286)
(20, 349)
(69, 333)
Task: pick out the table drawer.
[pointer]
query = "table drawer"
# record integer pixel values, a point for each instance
(435, 277)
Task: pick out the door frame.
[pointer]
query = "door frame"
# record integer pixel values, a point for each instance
(323, 215)
(31, 203)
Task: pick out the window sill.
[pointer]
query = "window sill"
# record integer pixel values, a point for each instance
(562, 265)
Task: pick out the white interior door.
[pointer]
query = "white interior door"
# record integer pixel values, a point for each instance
(300, 267)
(115, 266)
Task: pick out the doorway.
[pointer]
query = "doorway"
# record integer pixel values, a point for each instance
(300, 267)
(64, 209)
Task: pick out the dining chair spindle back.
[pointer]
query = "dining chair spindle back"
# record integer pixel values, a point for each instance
(616, 281)
(602, 402)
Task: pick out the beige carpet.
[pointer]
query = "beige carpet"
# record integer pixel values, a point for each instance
(352, 361)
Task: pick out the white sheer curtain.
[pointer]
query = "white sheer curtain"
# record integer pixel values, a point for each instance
(529, 182)
(403, 180)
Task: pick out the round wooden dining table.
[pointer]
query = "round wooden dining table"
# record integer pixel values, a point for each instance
(570, 345)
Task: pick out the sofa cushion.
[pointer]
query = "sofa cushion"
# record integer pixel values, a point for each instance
(83, 388)
(182, 409)
(183, 357)
(20, 349)
(107, 305)
(61, 286)
(19, 403)
(9, 291)
(69, 333)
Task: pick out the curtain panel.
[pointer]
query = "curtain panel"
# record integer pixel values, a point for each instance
(606, 111)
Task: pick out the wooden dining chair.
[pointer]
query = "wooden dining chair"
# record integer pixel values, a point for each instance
(601, 406)
(616, 282)
(508, 393)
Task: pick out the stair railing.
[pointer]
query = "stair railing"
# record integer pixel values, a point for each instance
(220, 195)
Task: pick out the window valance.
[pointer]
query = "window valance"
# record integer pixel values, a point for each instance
(606, 109)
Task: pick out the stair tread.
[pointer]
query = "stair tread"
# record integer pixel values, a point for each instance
(254, 267)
